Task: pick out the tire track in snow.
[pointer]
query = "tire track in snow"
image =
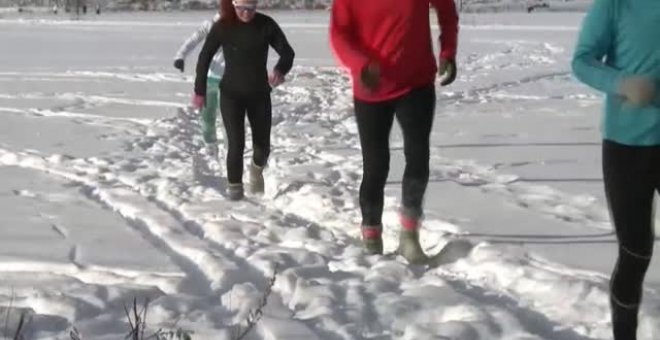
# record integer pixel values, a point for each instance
(476, 95)
(84, 117)
(84, 101)
(206, 264)
(579, 209)
(94, 275)
(89, 274)
(206, 270)
(96, 76)
(533, 321)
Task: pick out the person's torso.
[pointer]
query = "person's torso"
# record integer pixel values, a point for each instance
(398, 34)
(635, 50)
(636, 37)
(245, 50)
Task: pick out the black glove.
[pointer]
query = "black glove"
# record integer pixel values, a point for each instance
(370, 76)
(178, 64)
(447, 70)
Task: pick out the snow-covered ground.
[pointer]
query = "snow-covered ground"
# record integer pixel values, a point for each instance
(107, 195)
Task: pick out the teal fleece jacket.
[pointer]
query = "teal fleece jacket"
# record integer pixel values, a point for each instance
(620, 38)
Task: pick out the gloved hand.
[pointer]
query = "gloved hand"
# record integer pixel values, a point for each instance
(370, 76)
(198, 101)
(638, 90)
(179, 64)
(447, 71)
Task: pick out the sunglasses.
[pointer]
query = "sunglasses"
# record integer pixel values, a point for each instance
(245, 7)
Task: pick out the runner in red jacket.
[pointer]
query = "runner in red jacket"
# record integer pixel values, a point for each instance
(387, 47)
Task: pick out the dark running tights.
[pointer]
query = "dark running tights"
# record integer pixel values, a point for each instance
(414, 111)
(631, 175)
(234, 109)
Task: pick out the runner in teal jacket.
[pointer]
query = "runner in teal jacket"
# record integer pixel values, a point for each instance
(618, 53)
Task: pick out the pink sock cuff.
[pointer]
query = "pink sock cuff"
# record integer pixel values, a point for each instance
(409, 223)
(371, 232)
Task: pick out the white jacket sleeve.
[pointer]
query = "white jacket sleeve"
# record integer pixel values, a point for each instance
(195, 39)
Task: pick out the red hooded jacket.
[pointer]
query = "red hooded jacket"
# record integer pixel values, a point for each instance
(396, 35)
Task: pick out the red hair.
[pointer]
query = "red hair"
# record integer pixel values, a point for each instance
(227, 12)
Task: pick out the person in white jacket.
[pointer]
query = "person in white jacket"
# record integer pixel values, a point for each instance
(210, 109)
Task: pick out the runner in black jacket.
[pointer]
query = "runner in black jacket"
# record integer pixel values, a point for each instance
(244, 36)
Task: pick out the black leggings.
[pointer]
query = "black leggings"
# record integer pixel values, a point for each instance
(415, 112)
(234, 109)
(632, 176)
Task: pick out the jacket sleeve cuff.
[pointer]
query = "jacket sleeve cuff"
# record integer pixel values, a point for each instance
(448, 55)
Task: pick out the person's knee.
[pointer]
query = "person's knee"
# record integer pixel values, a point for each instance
(628, 276)
(262, 149)
(417, 155)
(417, 152)
(377, 169)
(208, 116)
(235, 144)
(418, 172)
(639, 247)
(262, 142)
(260, 156)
